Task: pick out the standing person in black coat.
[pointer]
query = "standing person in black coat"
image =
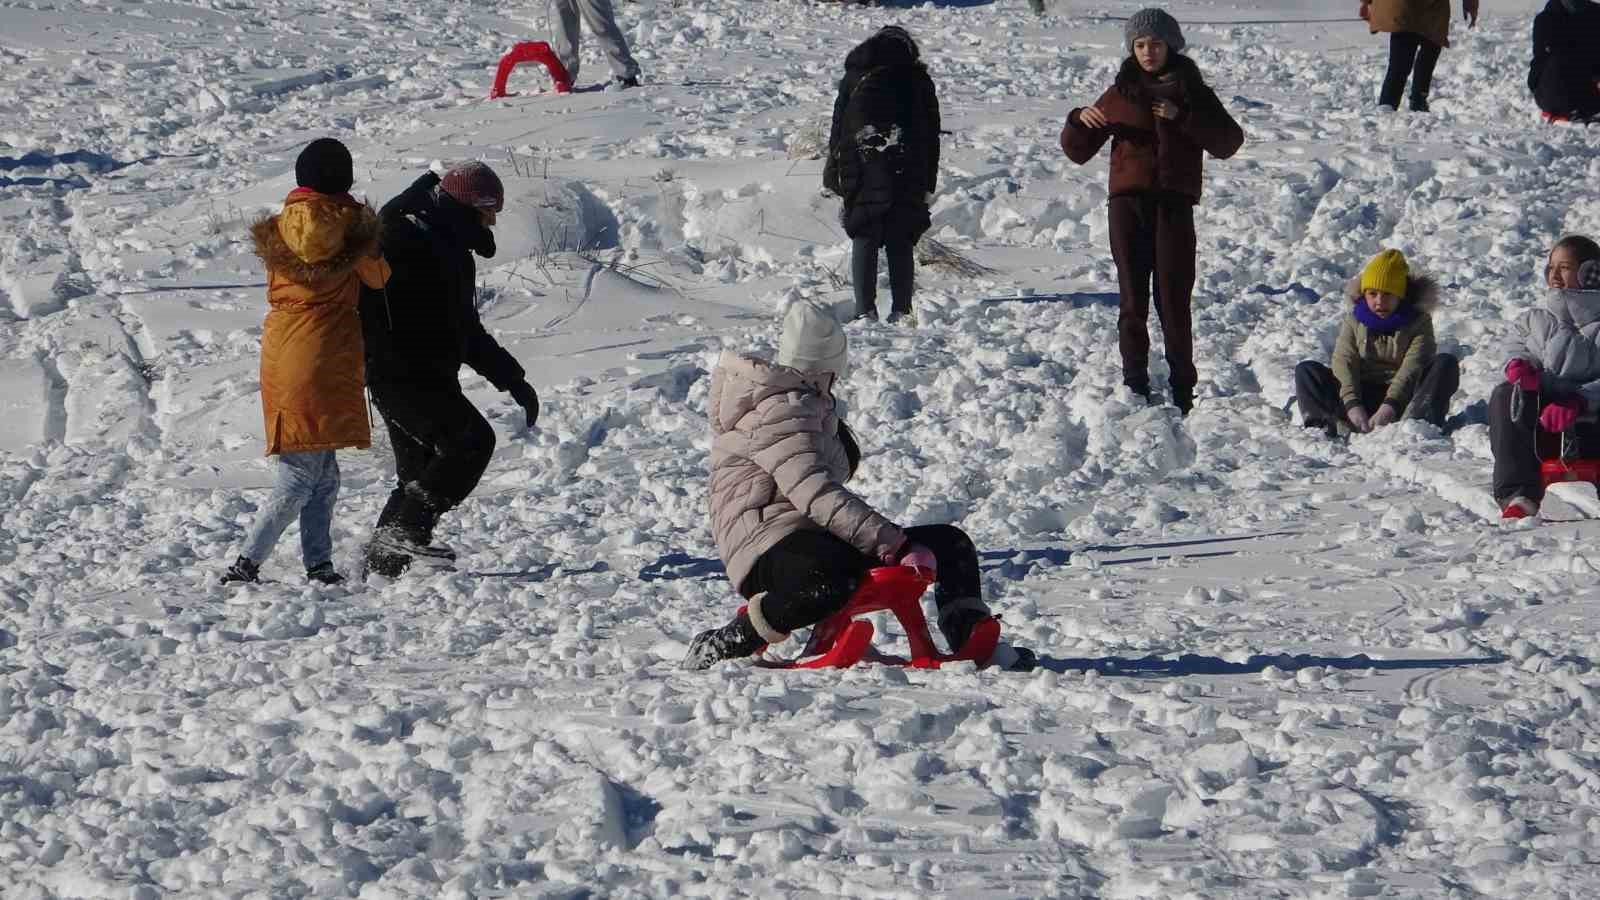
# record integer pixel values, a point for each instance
(419, 331)
(1565, 72)
(883, 159)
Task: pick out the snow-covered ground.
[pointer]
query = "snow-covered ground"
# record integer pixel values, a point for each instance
(1271, 666)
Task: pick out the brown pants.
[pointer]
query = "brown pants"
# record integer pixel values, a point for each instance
(1153, 233)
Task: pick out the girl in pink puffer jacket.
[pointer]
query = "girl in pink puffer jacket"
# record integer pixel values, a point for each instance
(796, 542)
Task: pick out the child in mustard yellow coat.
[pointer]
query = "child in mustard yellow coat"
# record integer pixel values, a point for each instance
(318, 251)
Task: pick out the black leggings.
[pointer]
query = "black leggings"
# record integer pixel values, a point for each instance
(810, 575)
(442, 445)
(864, 273)
(1409, 54)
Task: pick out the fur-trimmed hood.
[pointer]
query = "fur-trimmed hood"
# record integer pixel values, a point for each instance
(317, 237)
(1422, 291)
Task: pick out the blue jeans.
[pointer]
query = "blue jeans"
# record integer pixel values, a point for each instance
(308, 484)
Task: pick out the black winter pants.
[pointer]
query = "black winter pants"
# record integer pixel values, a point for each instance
(1414, 55)
(810, 575)
(1153, 234)
(1317, 391)
(442, 446)
(864, 273)
(1519, 444)
(1567, 86)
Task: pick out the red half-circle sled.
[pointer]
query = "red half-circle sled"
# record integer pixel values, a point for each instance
(530, 51)
(1555, 471)
(841, 640)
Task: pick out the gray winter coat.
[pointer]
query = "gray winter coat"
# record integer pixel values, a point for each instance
(778, 465)
(1564, 339)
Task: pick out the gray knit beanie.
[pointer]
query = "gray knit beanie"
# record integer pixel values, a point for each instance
(1156, 23)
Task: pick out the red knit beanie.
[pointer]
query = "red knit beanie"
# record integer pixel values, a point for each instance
(476, 185)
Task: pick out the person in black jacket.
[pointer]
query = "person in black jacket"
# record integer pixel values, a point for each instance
(1565, 72)
(418, 332)
(883, 159)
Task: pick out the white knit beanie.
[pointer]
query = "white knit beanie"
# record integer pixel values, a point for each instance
(813, 340)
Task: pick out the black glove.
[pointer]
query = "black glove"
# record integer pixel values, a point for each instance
(528, 399)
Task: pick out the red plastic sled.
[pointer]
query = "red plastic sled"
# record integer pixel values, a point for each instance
(1555, 471)
(841, 640)
(530, 51)
(1552, 118)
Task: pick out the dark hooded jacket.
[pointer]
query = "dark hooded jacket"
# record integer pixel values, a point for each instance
(425, 324)
(1566, 57)
(883, 147)
(1149, 153)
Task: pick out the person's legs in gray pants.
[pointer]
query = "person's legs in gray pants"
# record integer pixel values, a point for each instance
(603, 22)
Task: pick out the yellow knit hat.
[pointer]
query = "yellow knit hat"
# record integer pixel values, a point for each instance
(1387, 272)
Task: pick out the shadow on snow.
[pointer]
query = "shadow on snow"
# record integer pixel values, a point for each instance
(1195, 664)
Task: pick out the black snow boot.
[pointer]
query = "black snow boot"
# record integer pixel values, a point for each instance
(957, 618)
(735, 640)
(242, 570)
(324, 573)
(398, 540)
(381, 562)
(409, 537)
(1142, 388)
(1183, 397)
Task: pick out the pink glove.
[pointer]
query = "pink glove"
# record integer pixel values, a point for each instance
(920, 557)
(1385, 414)
(1559, 415)
(1523, 374)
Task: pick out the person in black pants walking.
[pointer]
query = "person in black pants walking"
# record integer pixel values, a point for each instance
(418, 332)
(883, 159)
(1418, 31)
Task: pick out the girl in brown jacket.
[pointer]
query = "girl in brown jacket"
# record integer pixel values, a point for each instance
(1159, 117)
(318, 252)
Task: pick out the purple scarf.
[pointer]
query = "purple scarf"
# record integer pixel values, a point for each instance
(1404, 315)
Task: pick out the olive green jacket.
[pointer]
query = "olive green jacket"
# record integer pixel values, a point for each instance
(1397, 360)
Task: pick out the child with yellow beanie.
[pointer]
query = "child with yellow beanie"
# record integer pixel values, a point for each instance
(1385, 362)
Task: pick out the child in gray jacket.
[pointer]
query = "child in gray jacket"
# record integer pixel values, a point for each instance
(1547, 406)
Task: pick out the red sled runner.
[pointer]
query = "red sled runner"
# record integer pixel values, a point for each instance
(841, 640)
(530, 51)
